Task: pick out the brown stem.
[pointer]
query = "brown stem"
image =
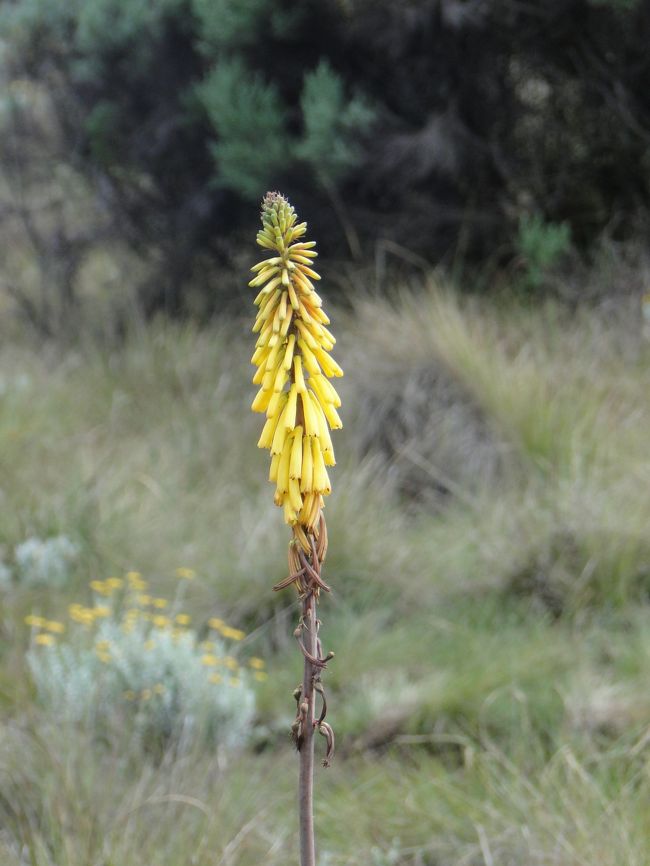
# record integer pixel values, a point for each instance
(306, 779)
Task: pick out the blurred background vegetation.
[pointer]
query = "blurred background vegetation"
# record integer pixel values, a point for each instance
(477, 176)
(491, 137)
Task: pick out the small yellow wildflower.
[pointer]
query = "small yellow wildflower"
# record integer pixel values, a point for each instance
(209, 660)
(135, 581)
(129, 694)
(261, 676)
(183, 618)
(100, 587)
(56, 627)
(186, 573)
(161, 621)
(81, 614)
(44, 640)
(256, 663)
(215, 678)
(145, 694)
(215, 622)
(233, 633)
(115, 582)
(160, 602)
(35, 621)
(231, 663)
(159, 689)
(144, 600)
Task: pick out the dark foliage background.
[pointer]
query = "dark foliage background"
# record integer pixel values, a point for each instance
(422, 132)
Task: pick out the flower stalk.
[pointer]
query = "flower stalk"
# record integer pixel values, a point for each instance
(294, 366)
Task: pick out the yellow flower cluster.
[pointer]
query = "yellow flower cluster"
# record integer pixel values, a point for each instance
(39, 622)
(133, 610)
(87, 615)
(226, 630)
(293, 366)
(107, 587)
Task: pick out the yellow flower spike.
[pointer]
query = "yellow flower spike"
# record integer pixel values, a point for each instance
(160, 603)
(216, 623)
(257, 663)
(44, 640)
(183, 618)
(35, 621)
(209, 660)
(293, 361)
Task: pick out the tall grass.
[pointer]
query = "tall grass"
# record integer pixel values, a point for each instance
(490, 566)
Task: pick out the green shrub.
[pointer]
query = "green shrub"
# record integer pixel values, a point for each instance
(248, 116)
(541, 244)
(157, 683)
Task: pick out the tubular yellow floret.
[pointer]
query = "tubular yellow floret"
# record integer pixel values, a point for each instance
(293, 361)
(295, 463)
